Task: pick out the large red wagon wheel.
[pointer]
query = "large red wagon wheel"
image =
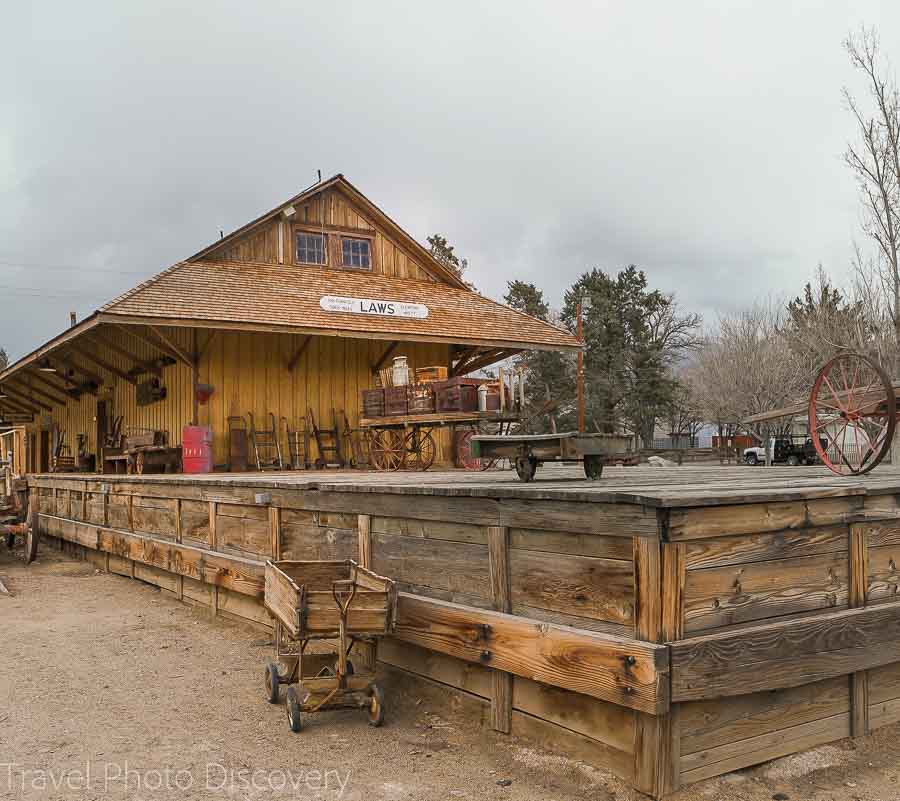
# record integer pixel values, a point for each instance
(852, 414)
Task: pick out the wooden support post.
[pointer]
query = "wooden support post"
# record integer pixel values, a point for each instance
(659, 576)
(179, 535)
(368, 653)
(275, 531)
(214, 545)
(502, 682)
(195, 379)
(859, 584)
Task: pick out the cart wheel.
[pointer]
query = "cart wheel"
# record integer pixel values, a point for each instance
(273, 682)
(526, 467)
(423, 450)
(593, 467)
(387, 449)
(32, 539)
(376, 707)
(293, 710)
(852, 414)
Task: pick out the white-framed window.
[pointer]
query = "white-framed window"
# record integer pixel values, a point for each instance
(311, 248)
(356, 253)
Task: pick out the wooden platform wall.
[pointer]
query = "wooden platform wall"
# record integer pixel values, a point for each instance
(569, 565)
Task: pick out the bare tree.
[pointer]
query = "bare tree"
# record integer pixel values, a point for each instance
(746, 367)
(875, 163)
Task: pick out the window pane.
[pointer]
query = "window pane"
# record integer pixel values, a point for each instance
(310, 248)
(355, 253)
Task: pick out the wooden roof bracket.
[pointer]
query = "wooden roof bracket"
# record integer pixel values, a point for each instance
(384, 357)
(101, 363)
(70, 365)
(23, 379)
(24, 401)
(173, 348)
(299, 353)
(138, 365)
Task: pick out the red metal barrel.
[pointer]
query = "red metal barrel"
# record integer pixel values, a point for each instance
(196, 449)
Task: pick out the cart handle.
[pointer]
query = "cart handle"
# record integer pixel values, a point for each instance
(343, 588)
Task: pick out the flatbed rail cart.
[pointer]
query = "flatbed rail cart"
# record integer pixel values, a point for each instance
(527, 451)
(327, 600)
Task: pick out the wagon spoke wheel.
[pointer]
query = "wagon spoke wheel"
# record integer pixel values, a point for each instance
(422, 449)
(388, 449)
(464, 456)
(852, 414)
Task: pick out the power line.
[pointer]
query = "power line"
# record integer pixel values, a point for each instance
(81, 268)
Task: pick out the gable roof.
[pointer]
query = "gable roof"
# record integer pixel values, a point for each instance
(282, 297)
(430, 265)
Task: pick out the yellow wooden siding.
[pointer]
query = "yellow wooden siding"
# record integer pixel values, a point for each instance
(249, 374)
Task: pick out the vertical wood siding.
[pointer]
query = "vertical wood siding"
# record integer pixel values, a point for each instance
(249, 374)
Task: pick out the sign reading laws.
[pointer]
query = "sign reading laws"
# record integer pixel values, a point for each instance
(385, 308)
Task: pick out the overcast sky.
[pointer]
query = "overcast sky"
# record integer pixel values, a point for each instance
(700, 141)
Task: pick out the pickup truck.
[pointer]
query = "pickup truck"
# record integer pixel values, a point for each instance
(784, 451)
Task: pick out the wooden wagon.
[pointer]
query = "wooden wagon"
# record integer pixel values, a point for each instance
(407, 441)
(326, 600)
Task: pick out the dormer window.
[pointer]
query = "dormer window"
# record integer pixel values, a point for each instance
(311, 248)
(355, 253)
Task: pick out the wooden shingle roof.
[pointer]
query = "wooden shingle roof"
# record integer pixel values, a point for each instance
(262, 296)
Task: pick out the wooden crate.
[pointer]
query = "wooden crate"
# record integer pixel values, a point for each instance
(426, 375)
(373, 402)
(457, 398)
(421, 399)
(396, 401)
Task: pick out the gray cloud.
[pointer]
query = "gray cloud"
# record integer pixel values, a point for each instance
(700, 141)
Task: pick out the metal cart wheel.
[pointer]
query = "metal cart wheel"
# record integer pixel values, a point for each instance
(464, 457)
(273, 683)
(852, 414)
(388, 449)
(593, 467)
(376, 706)
(295, 720)
(421, 448)
(526, 467)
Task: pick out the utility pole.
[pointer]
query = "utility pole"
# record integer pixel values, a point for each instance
(580, 370)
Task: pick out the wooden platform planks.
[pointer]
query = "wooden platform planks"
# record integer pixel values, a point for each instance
(785, 654)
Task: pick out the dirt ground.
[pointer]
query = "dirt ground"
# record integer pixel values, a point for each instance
(109, 689)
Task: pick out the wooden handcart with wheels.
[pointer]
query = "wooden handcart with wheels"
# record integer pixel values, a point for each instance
(527, 451)
(409, 441)
(327, 600)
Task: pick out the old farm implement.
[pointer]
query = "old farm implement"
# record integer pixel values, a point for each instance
(851, 414)
(338, 601)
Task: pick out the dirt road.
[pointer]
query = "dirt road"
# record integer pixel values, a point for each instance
(110, 690)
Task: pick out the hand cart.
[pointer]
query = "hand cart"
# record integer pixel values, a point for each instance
(408, 441)
(527, 451)
(266, 445)
(326, 600)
